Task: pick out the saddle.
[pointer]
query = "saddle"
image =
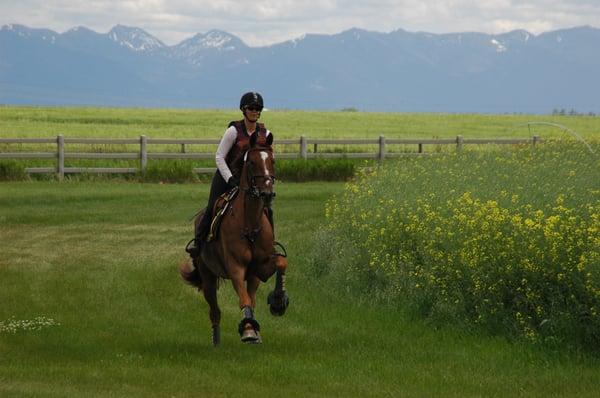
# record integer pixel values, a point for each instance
(221, 205)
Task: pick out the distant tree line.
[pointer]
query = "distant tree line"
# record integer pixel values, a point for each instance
(572, 112)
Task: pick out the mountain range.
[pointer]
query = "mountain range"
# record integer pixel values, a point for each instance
(373, 71)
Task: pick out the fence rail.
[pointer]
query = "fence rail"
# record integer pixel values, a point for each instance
(143, 154)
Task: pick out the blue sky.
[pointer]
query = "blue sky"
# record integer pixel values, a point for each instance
(263, 22)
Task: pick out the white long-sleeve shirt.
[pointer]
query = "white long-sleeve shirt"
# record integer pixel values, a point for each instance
(225, 146)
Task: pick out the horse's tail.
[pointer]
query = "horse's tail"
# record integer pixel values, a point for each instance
(191, 276)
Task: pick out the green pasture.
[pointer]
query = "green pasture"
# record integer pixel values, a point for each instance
(81, 122)
(92, 305)
(210, 123)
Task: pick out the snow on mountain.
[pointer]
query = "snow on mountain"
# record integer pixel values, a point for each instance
(212, 40)
(219, 40)
(399, 70)
(500, 48)
(19, 30)
(197, 49)
(25, 32)
(135, 38)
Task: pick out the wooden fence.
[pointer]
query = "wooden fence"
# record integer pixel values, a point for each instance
(143, 154)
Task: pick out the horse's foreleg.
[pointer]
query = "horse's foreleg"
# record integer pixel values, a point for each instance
(210, 295)
(238, 280)
(252, 286)
(278, 299)
(248, 327)
(281, 265)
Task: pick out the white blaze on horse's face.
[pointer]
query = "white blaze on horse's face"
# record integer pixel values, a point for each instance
(264, 156)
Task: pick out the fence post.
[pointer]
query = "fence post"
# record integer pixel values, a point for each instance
(303, 149)
(143, 153)
(459, 143)
(60, 157)
(535, 140)
(381, 148)
(420, 147)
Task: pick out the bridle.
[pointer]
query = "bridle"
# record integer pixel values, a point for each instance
(253, 189)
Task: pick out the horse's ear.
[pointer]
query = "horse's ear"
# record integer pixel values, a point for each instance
(253, 139)
(269, 139)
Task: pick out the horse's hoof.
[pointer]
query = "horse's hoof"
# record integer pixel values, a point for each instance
(251, 336)
(278, 303)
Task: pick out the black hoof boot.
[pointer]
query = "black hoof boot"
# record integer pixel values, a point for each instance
(249, 327)
(278, 303)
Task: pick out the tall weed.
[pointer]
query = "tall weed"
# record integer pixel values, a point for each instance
(11, 170)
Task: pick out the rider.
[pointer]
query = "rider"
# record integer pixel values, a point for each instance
(235, 141)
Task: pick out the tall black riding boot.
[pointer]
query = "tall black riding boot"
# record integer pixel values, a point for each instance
(195, 246)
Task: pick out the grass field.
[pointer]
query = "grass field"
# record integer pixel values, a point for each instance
(36, 122)
(175, 123)
(96, 264)
(91, 303)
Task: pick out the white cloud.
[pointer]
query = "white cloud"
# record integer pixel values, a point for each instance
(261, 22)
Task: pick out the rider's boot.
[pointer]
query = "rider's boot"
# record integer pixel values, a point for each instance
(194, 247)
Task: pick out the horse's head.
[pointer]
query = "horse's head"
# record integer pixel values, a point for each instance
(258, 174)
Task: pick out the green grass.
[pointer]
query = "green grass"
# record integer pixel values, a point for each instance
(101, 260)
(201, 123)
(82, 122)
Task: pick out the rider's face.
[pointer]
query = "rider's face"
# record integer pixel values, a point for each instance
(252, 112)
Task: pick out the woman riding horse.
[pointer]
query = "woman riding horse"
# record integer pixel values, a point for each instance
(232, 145)
(242, 248)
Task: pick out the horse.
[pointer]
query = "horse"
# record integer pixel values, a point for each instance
(243, 249)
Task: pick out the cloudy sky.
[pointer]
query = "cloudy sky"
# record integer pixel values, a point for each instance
(262, 22)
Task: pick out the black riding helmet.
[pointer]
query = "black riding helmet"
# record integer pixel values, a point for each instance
(251, 98)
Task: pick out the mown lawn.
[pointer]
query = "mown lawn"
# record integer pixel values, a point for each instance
(99, 260)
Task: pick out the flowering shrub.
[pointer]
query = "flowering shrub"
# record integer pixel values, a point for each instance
(509, 240)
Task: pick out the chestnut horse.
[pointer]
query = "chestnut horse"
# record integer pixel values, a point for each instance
(243, 249)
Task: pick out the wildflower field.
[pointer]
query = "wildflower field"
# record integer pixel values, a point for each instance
(506, 240)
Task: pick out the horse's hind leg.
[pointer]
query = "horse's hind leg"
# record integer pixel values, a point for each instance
(209, 288)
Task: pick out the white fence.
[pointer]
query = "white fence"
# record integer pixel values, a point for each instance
(143, 154)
